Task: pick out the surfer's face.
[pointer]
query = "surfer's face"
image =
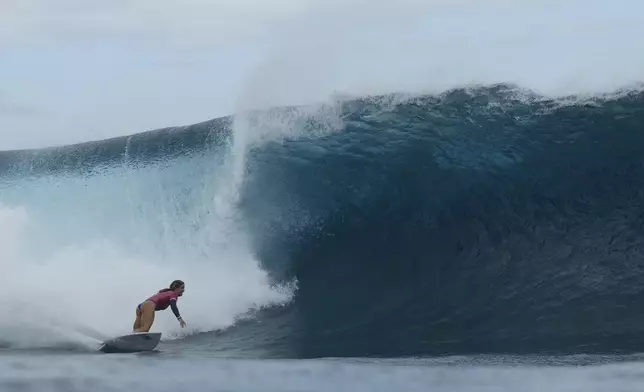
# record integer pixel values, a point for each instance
(180, 290)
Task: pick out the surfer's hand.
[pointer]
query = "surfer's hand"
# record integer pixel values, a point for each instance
(183, 323)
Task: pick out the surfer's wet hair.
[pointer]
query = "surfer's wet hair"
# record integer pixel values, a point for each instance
(174, 285)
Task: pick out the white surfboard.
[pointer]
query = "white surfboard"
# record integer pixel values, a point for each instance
(132, 343)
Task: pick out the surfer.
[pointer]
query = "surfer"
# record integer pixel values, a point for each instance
(159, 301)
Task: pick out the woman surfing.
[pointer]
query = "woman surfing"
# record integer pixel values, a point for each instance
(159, 301)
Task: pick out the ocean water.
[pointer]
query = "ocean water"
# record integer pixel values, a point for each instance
(480, 234)
(481, 239)
(169, 372)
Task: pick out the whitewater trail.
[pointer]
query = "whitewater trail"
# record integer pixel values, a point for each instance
(79, 259)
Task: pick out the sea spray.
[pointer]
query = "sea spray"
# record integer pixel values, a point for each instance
(80, 252)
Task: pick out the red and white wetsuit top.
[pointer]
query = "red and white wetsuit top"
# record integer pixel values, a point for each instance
(162, 300)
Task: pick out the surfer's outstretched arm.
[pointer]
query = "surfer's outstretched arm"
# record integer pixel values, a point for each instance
(175, 310)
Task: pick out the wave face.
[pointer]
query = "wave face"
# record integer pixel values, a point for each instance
(479, 220)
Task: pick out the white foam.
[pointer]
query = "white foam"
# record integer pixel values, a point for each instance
(69, 276)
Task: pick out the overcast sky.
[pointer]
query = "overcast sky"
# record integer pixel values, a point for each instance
(76, 70)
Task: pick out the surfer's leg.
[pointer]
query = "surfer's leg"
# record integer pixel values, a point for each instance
(147, 317)
(137, 320)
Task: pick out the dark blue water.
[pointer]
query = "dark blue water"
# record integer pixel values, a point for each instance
(480, 221)
(473, 222)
